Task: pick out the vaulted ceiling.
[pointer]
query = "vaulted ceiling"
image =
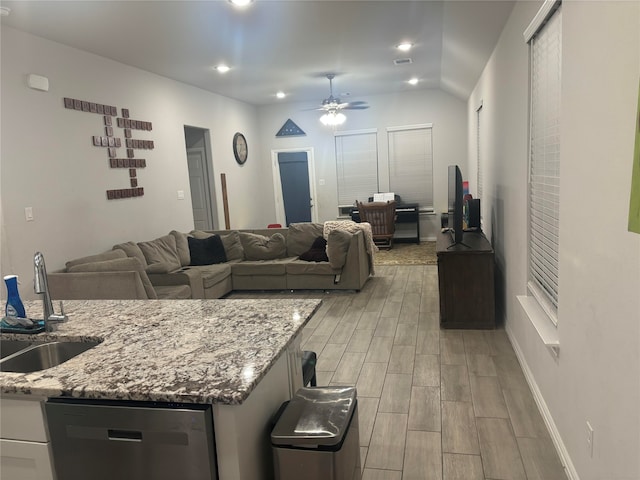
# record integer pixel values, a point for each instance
(276, 45)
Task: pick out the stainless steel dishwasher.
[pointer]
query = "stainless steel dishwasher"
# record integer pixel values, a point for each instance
(131, 440)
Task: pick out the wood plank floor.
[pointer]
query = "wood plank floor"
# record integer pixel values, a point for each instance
(433, 404)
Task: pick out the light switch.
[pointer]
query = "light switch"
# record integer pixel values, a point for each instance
(321, 182)
(180, 194)
(28, 214)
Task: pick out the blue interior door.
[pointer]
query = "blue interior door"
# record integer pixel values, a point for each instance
(294, 178)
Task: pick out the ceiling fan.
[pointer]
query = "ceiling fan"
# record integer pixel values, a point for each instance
(334, 104)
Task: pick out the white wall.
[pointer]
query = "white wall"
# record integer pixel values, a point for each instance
(49, 163)
(446, 113)
(597, 375)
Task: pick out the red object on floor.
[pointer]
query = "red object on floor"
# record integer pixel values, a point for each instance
(274, 225)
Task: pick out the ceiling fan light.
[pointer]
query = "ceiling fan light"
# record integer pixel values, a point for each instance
(333, 118)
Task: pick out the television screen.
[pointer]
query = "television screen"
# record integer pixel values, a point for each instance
(454, 208)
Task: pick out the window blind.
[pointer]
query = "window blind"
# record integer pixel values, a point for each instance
(357, 167)
(411, 164)
(544, 175)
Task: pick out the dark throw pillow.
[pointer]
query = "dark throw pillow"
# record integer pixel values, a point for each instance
(206, 251)
(317, 252)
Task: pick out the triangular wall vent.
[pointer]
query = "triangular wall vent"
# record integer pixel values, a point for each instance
(290, 129)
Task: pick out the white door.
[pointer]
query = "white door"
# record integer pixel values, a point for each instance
(200, 192)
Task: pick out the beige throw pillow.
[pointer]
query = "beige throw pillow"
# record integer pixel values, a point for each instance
(260, 247)
(100, 257)
(182, 247)
(131, 249)
(301, 236)
(161, 254)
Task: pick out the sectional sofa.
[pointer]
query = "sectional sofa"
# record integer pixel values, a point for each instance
(211, 264)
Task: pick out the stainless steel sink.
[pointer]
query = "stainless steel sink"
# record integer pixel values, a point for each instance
(43, 355)
(9, 347)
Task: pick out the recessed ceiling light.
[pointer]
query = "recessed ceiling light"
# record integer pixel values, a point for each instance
(413, 81)
(281, 95)
(240, 3)
(405, 46)
(5, 11)
(222, 68)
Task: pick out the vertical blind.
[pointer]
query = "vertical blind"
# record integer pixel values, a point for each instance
(411, 164)
(544, 175)
(357, 167)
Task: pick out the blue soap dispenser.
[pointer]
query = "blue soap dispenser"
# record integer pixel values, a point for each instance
(14, 307)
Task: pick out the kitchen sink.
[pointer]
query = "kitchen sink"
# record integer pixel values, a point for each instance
(9, 347)
(41, 356)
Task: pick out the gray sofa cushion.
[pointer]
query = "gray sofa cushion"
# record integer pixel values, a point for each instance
(213, 274)
(301, 236)
(131, 249)
(161, 254)
(301, 267)
(101, 257)
(261, 267)
(182, 247)
(337, 247)
(118, 264)
(260, 247)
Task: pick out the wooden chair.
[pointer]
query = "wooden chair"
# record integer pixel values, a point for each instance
(382, 218)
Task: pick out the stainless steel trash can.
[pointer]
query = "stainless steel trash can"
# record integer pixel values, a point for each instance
(316, 436)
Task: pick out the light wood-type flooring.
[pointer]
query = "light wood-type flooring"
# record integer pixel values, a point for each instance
(433, 404)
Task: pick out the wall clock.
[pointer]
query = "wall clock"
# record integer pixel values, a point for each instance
(240, 149)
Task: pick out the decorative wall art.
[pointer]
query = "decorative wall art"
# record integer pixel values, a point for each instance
(111, 142)
(290, 129)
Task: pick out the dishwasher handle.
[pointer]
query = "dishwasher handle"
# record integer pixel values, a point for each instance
(125, 435)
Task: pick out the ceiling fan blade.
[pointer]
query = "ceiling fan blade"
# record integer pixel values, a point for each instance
(357, 102)
(356, 107)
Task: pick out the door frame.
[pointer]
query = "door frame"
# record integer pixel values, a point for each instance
(277, 184)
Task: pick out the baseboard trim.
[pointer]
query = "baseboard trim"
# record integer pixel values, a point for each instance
(569, 468)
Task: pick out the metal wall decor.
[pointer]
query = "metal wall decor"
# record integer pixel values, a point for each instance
(111, 142)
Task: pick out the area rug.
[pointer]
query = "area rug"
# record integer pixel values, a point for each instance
(408, 254)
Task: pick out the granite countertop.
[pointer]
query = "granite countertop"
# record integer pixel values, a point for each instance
(192, 351)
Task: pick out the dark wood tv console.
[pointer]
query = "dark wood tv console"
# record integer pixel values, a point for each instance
(466, 281)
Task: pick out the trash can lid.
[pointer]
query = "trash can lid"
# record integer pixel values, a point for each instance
(315, 416)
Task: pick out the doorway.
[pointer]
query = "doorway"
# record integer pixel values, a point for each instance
(200, 177)
(294, 186)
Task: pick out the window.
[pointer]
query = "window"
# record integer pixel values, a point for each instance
(411, 164)
(544, 36)
(357, 166)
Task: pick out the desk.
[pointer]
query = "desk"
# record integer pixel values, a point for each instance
(465, 280)
(405, 213)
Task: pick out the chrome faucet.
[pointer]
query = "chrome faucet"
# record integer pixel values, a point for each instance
(40, 285)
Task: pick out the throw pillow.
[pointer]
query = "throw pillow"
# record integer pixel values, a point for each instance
(119, 265)
(132, 250)
(206, 251)
(161, 254)
(317, 252)
(337, 247)
(300, 236)
(108, 255)
(182, 247)
(233, 246)
(260, 247)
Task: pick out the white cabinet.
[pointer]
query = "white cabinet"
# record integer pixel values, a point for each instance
(25, 451)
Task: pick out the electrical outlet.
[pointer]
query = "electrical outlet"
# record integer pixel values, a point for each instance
(321, 182)
(180, 194)
(28, 214)
(590, 439)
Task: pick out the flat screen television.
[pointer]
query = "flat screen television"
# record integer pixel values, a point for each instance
(455, 204)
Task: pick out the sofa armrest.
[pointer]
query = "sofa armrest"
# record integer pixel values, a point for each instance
(124, 285)
(184, 276)
(357, 268)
